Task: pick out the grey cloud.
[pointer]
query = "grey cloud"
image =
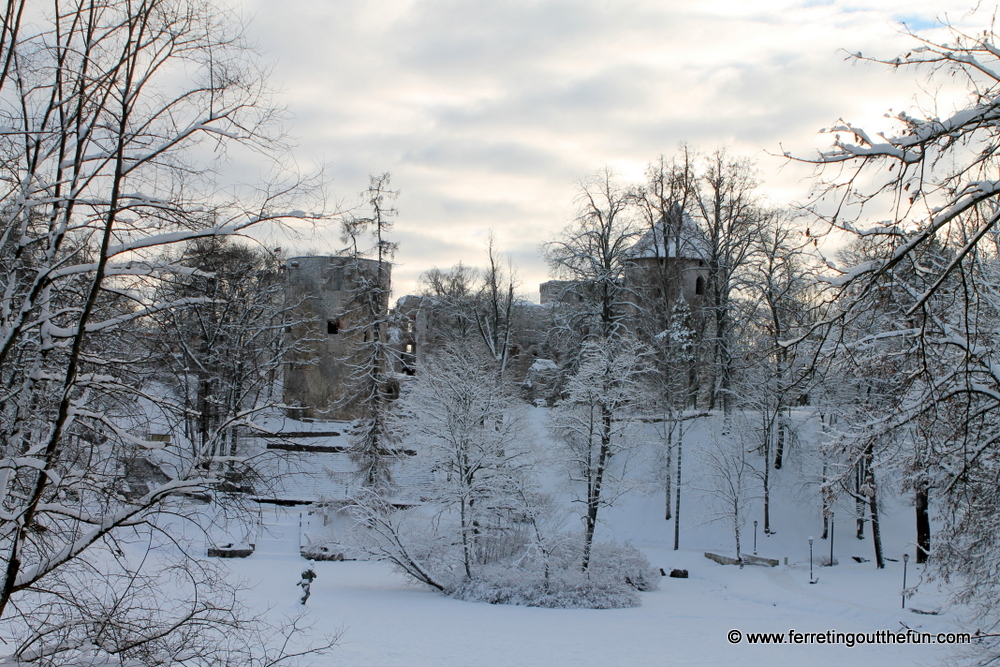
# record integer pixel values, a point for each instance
(469, 101)
(486, 34)
(482, 153)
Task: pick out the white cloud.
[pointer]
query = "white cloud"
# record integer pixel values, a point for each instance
(487, 112)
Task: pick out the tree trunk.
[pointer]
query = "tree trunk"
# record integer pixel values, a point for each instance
(873, 508)
(779, 448)
(767, 508)
(677, 502)
(594, 499)
(767, 482)
(466, 549)
(876, 532)
(826, 500)
(205, 422)
(859, 503)
(736, 531)
(923, 525)
(670, 446)
(725, 358)
(826, 506)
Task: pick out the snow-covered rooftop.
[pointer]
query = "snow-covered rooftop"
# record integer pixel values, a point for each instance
(677, 236)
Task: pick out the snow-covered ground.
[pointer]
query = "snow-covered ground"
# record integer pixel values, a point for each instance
(387, 620)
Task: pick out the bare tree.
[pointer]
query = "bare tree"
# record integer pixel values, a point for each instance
(871, 372)
(469, 303)
(775, 294)
(674, 349)
(664, 203)
(663, 317)
(729, 212)
(453, 293)
(705, 207)
(592, 253)
(604, 400)
(933, 256)
(730, 480)
(469, 429)
(494, 307)
(103, 165)
(222, 355)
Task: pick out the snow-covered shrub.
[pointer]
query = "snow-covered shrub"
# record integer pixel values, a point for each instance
(616, 573)
(565, 588)
(624, 563)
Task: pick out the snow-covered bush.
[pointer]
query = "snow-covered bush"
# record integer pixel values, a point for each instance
(567, 589)
(616, 574)
(626, 564)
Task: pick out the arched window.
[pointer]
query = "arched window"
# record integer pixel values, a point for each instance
(699, 286)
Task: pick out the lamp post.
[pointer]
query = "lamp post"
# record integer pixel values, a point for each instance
(754, 538)
(812, 580)
(906, 558)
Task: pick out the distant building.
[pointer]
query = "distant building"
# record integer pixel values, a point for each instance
(330, 327)
(425, 324)
(665, 264)
(563, 291)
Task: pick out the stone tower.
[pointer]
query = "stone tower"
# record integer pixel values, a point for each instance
(330, 327)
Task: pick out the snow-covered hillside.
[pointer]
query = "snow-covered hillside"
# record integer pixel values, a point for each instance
(388, 620)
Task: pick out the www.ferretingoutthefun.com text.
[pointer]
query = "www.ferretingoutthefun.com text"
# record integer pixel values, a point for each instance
(849, 639)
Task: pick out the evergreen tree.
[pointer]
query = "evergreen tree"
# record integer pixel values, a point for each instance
(374, 385)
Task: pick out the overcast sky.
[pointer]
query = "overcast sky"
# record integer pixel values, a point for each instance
(488, 112)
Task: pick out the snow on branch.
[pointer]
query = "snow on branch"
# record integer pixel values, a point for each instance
(131, 515)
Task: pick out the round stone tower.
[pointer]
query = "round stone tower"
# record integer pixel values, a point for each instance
(329, 325)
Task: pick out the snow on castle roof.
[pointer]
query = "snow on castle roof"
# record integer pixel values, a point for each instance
(676, 236)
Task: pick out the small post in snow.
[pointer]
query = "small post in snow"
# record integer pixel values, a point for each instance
(906, 558)
(831, 539)
(754, 538)
(812, 580)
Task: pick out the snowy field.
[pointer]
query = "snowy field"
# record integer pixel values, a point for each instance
(388, 621)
